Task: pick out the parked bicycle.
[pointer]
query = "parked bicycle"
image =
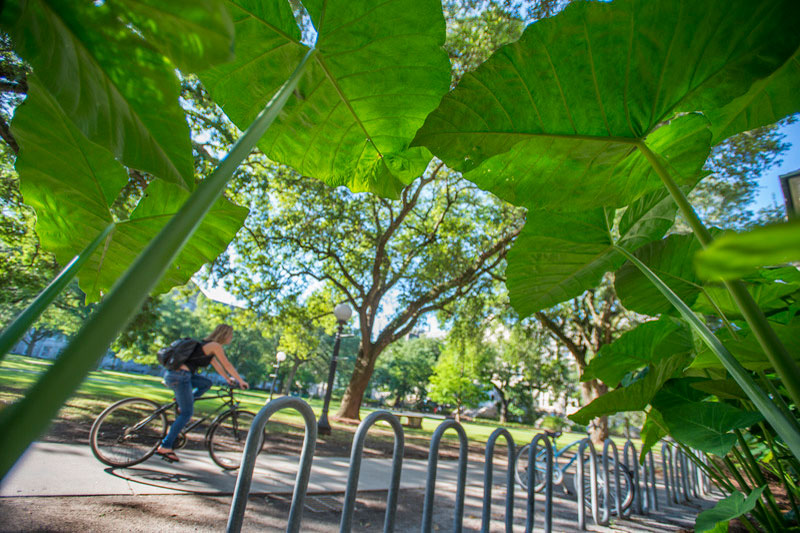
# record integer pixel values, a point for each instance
(129, 431)
(560, 469)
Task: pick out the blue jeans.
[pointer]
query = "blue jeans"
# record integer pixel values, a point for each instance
(187, 388)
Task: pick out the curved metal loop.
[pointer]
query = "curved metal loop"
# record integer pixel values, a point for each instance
(251, 449)
(356, 452)
(487, 480)
(669, 479)
(649, 495)
(608, 443)
(628, 453)
(683, 463)
(548, 483)
(579, 486)
(430, 485)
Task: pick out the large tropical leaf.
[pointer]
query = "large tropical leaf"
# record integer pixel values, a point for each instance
(72, 183)
(69, 181)
(377, 71)
(648, 343)
(120, 91)
(734, 255)
(160, 203)
(557, 118)
(767, 101)
(652, 432)
(559, 255)
(734, 506)
(746, 348)
(667, 258)
(634, 397)
(195, 34)
(709, 427)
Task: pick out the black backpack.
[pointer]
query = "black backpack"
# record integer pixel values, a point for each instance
(177, 353)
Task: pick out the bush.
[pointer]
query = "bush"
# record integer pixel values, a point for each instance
(553, 423)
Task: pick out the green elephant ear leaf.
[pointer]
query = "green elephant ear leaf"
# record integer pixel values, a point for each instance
(734, 506)
(72, 184)
(648, 343)
(559, 255)
(709, 427)
(160, 203)
(377, 71)
(667, 258)
(746, 349)
(767, 101)
(559, 118)
(120, 91)
(736, 255)
(195, 34)
(68, 180)
(634, 397)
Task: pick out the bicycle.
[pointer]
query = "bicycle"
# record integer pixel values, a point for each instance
(560, 470)
(129, 431)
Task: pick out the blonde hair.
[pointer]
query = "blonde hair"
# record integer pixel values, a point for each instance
(220, 334)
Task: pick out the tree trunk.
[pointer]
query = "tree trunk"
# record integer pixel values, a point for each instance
(591, 390)
(287, 385)
(503, 404)
(365, 364)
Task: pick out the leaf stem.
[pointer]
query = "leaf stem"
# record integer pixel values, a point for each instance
(784, 426)
(23, 421)
(785, 366)
(25, 320)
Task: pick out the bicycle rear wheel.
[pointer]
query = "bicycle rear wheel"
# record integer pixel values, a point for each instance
(227, 437)
(625, 487)
(127, 432)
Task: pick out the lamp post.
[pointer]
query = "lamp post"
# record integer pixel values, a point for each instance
(279, 358)
(790, 183)
(342, 312)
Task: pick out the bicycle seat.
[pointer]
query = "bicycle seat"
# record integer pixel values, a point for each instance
(552, 434)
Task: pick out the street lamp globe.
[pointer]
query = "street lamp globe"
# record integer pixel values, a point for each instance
(280, 356)
(342, 312)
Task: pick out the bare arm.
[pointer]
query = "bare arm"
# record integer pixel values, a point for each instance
(222, 365)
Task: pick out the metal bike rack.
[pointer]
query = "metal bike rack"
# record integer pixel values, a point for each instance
(430, 484)
(581, 475)
(628, 452)
(486, 516)
(251, 449)
(356, 454)
(548, 484)
(608, 443)
(650, 500)
(669, 474)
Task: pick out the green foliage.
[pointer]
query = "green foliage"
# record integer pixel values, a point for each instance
(745, 347)
(377, 71)
(736, 255)
(406, 367)
(709, 427)
(735, 505)
(454, 376)
(648, 343)
(636, 396)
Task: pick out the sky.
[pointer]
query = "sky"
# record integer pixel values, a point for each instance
(770, 186)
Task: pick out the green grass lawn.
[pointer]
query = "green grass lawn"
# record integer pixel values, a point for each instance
(104, 387)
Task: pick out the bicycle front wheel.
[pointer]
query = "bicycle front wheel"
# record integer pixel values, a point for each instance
(521, 471)
(605, 490)
(127, 432)
(227, 437)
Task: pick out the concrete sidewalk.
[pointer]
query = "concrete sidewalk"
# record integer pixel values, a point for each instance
(70, 470)
(51, 469)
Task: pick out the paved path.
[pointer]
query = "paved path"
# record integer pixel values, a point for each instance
(50, 469)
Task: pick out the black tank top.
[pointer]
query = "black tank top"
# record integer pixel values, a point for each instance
(198, 359)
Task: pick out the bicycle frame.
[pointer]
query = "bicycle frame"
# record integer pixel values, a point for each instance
(229, 404)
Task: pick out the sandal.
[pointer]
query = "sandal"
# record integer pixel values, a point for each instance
(169, 456)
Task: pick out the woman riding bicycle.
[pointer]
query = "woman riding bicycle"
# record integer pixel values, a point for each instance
(188, 386)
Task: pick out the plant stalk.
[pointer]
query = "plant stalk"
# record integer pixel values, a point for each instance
(783, 363)
(25, 320)
(785, 427)
(23, 421)
(756, 474)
